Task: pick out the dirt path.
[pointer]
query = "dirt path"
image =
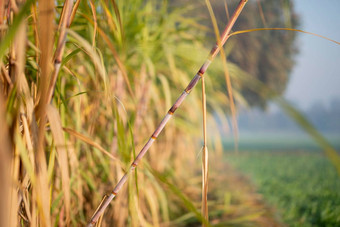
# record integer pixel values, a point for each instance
(234, 194)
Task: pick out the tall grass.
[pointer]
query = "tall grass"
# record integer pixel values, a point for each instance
(214, 51)
(103, 65)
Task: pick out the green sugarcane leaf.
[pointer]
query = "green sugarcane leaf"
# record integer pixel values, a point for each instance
(69, 57)
(134, 156)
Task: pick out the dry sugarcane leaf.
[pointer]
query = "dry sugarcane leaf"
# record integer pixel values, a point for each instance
(60, 144)
(89, 141)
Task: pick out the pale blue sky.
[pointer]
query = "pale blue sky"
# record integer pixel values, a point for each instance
(316, 75)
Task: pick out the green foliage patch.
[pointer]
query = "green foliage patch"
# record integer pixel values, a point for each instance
(303, 186)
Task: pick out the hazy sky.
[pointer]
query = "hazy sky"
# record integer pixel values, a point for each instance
(316, 75)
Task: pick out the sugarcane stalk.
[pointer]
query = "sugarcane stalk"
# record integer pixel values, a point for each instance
(67, 16)
(205, 164)
(214, 51)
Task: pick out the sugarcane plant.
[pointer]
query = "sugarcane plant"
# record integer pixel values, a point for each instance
(39, 170)
(199, 75)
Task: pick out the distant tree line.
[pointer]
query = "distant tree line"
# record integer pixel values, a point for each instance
(267, 56)
(324, 118)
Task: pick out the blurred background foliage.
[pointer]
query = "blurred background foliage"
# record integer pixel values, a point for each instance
(124, 64)
(267, 56)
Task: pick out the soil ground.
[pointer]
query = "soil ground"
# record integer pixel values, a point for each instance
(238, 197)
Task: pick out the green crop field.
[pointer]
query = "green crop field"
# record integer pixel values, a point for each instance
(303, 186)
